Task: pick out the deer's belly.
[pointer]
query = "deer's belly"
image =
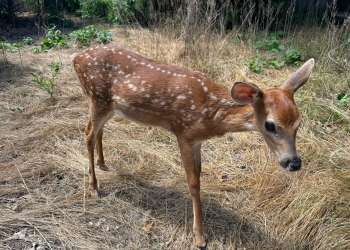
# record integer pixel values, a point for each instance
(143, 116)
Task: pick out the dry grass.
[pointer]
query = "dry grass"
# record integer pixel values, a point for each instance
(249, 202)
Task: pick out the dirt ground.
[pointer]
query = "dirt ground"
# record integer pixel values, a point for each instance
(248, 201)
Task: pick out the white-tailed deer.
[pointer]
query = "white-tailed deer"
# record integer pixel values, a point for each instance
(194, 108)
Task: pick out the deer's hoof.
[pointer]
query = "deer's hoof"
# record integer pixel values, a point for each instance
(103, 167)
(94, 194)
(201, 245)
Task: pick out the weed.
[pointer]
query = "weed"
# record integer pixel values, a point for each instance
(272, 44)
(275, 63)
(256, 65)
(111, 10)
(53, 39)
(48, 83)
(36, 50)
(104, 36)
(343, 99)
(281, 55)
(9, 47)
(27, 40)
(86, 35)
(292, 56)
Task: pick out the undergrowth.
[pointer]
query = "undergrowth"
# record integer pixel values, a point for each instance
(48, 82)
(272, 52)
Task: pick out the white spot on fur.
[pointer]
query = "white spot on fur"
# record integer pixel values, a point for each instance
(204, 111)
(132, 87)
(193, 107)
(181, 97)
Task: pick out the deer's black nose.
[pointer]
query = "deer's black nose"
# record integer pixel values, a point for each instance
(291, 164)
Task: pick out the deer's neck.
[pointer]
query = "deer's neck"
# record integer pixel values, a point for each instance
(235, 119)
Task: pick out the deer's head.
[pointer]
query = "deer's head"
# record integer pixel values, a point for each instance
(276, 114)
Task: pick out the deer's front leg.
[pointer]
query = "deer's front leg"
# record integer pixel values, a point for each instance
(190, 154)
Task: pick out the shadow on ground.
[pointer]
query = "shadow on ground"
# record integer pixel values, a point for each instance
(167, 203)
(9, 73)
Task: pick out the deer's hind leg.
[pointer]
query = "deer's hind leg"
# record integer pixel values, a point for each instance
(99, 148)
(97, 118)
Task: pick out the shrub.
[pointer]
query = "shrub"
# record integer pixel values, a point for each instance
(292, 56)
(86, 35)
(281, 56)
(275, 63)
(256, 65)
(27, 40)
(10, 47)
(104, 36)
(48, 83)
(53, 39)
(113, 11)
(272, 43)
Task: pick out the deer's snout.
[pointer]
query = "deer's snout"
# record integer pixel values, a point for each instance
(291, 164)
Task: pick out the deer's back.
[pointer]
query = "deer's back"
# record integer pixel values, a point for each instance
(144, 89)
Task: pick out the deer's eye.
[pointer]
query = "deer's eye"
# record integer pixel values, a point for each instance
(270, 127)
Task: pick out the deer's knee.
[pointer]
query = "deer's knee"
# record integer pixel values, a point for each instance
(194, 187)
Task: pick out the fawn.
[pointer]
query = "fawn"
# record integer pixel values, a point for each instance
(194, 108)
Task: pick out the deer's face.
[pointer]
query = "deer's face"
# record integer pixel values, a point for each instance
(276, 114)
(279, 124)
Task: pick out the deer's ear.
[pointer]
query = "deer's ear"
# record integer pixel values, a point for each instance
(246, 93)
(299, 77)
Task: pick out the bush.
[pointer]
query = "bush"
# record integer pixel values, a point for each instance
(292, 56)
(53, 39)
(275, 64)
(113, 11)
(256, 65)
(27, 40)
(86, 35)
(48, 83)
(10, 47)
(275, 54)
(104, 36)
(272, 43)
